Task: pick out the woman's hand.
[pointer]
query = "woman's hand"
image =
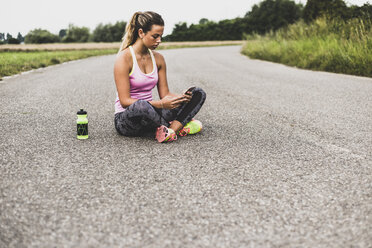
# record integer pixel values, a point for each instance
(188, 94)
(174, 101)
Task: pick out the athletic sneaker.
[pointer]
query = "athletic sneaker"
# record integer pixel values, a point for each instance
(193, 127)
(164, 134)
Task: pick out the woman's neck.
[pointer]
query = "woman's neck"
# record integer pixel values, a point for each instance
(140, 48)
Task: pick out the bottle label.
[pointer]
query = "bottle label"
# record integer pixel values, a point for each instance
(82, 129)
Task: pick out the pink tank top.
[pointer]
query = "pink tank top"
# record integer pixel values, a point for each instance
(141, 84)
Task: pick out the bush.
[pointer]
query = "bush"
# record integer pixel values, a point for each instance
(13, 41)
(330, 8)
(109, 32)
(39, 36)
(272, 15)
(76, 34)
(208, 30)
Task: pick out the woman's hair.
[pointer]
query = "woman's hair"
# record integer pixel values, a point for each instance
(139, 20)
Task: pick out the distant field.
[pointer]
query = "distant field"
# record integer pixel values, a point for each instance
(113, 45)
(18, 58)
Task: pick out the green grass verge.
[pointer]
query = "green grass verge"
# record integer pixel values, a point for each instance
(323, 45)
(17, 61)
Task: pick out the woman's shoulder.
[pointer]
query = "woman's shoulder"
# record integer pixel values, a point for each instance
(124, 56)
(159, 58)
(158, 55)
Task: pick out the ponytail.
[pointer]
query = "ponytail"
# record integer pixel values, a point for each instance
(130, 35)
(139, 20)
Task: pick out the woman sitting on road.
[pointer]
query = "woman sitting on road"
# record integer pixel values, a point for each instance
(137, 70)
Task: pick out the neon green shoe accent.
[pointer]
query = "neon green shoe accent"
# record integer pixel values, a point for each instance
(193, 127)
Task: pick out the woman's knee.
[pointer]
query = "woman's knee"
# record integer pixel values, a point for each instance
(124, 128)
(200, 92)
(119, 124)
(144, 114)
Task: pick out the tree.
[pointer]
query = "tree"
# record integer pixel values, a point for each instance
(13, 41)
(62, 33)
(8, 37)
(40, 36)
(364, 12)
(203, 21)
(272, 15)
(208, 30)
(179, 32)
(268, 15)
(329, 8)
(76, 34)
(2, 38)
(20, 38)
(109, 32)
(101, 33)
(118, 30)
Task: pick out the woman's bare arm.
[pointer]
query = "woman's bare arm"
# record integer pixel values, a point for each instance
(122, 68)
(163, 88)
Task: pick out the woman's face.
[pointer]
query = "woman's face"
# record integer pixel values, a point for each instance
(152, 38)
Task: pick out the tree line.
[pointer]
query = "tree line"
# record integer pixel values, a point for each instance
(268, 15)
(102, 33)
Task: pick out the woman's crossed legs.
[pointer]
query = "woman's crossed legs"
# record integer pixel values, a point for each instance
(142, 118)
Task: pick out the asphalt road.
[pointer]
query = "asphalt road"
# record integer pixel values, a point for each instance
(284, 160)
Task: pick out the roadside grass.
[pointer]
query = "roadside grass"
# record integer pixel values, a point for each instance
(340, 47)
(19, 58)
(18, 61)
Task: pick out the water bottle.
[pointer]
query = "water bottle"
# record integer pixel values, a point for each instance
(82, 124)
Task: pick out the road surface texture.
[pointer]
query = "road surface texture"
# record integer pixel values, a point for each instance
(284, 160)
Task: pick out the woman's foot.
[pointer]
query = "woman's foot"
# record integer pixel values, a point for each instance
(164, 134)
(193, 127)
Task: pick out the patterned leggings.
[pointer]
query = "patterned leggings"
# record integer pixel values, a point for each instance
(141, 118)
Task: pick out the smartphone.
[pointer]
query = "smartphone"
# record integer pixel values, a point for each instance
(189, 91)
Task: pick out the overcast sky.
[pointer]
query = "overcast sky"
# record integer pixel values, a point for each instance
(25, 15)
